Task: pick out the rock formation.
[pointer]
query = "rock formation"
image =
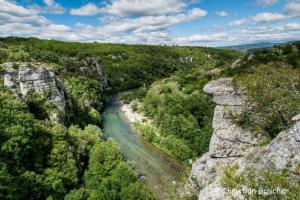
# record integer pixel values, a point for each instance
(231, 144)
(23, 78)
(92, 64)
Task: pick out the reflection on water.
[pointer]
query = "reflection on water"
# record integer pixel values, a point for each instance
(162, 172)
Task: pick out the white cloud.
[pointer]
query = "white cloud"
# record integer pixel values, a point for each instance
(237, 22)
(201, 38)
(222, 13)
(53, 7)
(133, 8)
(12, 13)
(19, 21)
(292, 8)
(268, 17)
(292, 27)
(151, 28)
(16, 20)
(152, 23)
(144, 7)
(13, 9)
(265, 3)
(89, 9)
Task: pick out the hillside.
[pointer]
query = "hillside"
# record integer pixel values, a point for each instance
(262, 45)
(252, 109)
(217, 111)
(52, 95)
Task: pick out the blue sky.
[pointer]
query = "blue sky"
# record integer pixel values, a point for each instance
(181, 22)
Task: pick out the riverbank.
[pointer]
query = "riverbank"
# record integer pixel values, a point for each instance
(143, 126)
(162, 172)
(131, 114)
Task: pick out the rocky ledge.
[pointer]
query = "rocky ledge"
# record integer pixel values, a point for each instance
(23, 78)
(231, 145)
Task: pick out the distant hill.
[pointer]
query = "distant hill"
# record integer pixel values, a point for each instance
(254, 46)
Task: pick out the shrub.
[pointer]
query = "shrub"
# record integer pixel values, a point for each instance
(273, 95)
(276, 183)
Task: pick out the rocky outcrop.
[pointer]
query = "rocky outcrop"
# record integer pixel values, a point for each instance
(92, 64)
(23, 78)
(231, 145)
(229, 142)
(37, 80)
(282, 153)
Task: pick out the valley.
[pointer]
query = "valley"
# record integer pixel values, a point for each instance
(210, 116)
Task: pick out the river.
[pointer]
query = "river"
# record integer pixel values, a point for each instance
(162, 172)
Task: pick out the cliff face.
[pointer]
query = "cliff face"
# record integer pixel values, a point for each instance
(232, 145)
(23, 78)
(91, 66)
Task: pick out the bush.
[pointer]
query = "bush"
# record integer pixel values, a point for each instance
(177, 147)
(273, 95)
(256, 180)
(147, 131)
(3, 55)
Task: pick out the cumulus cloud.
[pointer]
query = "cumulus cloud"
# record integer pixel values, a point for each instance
(265, 3)
(153, 27)
(144, 7)
(133, 8)
(201, 38)
(135, 20)
(89, 9)
(238, 22)
(221, 13)
(19, 21)
(53, 7)
(268, 17)
(292, 8)
(153, 23)
(12, 13)
(292, 27)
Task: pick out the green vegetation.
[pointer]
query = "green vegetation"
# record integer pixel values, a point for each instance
(87, 99)
(273, 89)
(260, 184)
(127, 66)
(278, 55)
(180, 111)
(44, 161)
(274, 98)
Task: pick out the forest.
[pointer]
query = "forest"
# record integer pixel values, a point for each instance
(182, 113)
(74, 161)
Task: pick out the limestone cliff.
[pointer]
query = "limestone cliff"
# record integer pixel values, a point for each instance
(91, 66)
(230, 144)
(23, 78)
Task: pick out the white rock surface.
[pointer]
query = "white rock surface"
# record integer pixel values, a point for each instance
(33, 77)
(283, 152)
(38, 80)
(9, 82)
(92, 65)
(296, 118)
(223, 92)
(132, 115)
(231, 145)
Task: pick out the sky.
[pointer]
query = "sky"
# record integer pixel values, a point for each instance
(172, 22)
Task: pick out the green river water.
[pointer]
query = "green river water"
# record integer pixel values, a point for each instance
(162, 172)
